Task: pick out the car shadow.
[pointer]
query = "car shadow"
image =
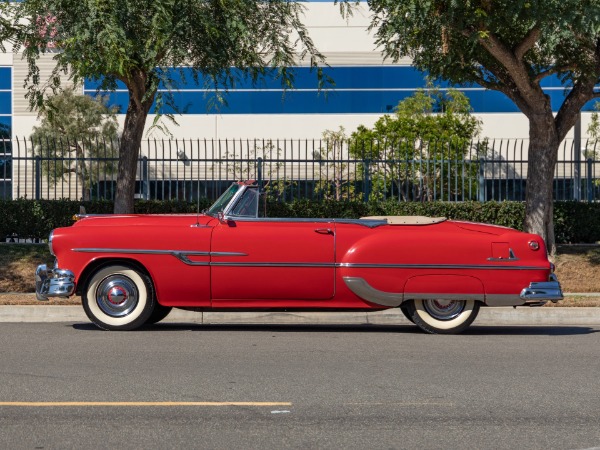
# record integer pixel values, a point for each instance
(485, 330)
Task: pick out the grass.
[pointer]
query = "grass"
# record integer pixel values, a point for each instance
(577, 268)
(18, 263)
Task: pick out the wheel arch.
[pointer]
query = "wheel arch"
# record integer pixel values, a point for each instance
(99, 263)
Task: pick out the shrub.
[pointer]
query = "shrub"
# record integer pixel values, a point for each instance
(575, 222)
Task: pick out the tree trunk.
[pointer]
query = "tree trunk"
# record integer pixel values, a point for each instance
(129, 147)
(539, 203)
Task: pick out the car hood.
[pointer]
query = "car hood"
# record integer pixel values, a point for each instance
(117, 220)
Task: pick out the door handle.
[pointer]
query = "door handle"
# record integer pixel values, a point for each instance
(324, 231)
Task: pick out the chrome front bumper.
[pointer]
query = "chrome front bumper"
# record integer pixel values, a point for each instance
(543, 291)
(53, 282)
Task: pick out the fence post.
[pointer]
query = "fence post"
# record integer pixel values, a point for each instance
(590, 181)
(38, 177)
(367, 180)
(145, 181)
(259, 172)
(481, 181)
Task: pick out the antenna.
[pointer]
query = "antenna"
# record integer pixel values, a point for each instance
(198, 204)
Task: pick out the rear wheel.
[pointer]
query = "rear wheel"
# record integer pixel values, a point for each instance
(118, 297)
(438, 316)
(404, 310)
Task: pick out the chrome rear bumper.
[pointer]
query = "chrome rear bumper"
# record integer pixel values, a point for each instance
(53, 282)
(543, 291)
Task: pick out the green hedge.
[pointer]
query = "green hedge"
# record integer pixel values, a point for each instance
(575, 222)
(34, 219)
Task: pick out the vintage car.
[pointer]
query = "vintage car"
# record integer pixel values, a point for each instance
(131, 270)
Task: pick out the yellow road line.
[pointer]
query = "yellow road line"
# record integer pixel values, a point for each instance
(79, 404)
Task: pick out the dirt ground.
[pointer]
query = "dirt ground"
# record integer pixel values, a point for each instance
(577, 268)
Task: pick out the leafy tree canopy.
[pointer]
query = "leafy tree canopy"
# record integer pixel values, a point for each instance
(137, 42)
(512, 47)
(121, 40)
(77, 135)
(429, 115)
(71, 115)
(431, 125)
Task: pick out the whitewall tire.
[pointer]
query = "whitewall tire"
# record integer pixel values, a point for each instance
(443, 316)
(118, 298)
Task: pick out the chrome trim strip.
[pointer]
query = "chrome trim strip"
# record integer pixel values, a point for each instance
(140, 251)
(273, 264)
(363, 222)
(367, 292)
(157, 252)
(438, 296)
(183, 254)
(437, 266)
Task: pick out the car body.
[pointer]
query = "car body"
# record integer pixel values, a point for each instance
(130, 270)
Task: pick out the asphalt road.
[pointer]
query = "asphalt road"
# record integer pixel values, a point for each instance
(299, 386)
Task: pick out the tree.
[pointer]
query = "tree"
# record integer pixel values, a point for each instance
(77, 134)
(430, 125)
(511, 47)
(137, 42)
(336, 181)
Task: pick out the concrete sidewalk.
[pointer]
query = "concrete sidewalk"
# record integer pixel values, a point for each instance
(487, 316)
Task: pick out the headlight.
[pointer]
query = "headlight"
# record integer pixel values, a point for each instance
(50, 243)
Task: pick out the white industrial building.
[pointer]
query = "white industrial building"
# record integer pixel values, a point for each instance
(366, 87)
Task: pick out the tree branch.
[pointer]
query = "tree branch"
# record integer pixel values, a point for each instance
(506, 86)
(582, 92)
(507, 59)
(557, 69)
(527, 43)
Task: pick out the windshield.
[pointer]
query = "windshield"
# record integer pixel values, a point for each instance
(223, 200)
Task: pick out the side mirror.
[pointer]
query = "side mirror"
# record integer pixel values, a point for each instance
(221, 217)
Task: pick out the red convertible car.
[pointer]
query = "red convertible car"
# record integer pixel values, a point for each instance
(131, 270)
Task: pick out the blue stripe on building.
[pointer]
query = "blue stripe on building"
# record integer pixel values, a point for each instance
(5, 78)
(357, 90)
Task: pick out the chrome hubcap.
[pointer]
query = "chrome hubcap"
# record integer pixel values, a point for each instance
(117, 295)
(444, 309)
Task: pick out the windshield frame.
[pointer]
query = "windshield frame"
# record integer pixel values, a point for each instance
(224, 200)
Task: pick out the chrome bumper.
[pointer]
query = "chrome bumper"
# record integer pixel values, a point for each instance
(543, 291)
(53, 282)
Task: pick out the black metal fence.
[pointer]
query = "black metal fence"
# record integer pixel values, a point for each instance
(292, 169)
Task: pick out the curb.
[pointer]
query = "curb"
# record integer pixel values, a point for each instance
(487, 316)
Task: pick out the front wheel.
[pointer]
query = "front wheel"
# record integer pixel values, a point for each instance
(118, 298)
(438, 316)
(159, 313)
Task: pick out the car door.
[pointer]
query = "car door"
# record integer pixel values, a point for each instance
(267, 259)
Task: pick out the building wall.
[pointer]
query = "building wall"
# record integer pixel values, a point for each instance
(366, 87)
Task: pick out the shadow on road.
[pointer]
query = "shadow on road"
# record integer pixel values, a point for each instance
(364, 328)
